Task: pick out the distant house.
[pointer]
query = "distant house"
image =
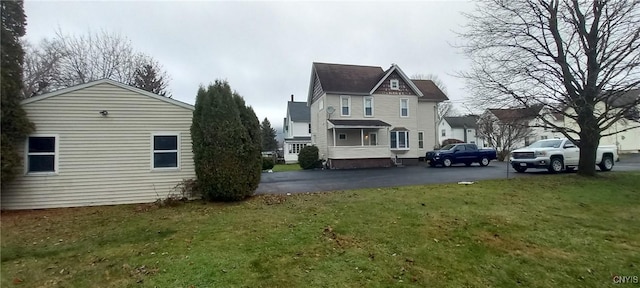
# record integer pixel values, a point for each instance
(626, 131)
(364, 116)
(297, 130)
(463, 128)
(101, 143)
(528, 117)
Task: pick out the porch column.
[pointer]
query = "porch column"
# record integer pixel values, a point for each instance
(361, 137)
(334, 136)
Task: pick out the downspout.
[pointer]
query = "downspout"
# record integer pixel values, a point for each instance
(436, 120)
(464, 126)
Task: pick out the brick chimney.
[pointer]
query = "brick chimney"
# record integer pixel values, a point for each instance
(291, 97)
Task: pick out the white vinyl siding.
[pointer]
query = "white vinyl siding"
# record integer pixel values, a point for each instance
(368, 106)
(345, 106)
(102, 160)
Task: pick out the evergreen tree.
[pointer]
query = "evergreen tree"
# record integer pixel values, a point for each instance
(15, 125)
(269, 142)
(250, 122)
(222, 147)
(150, 78)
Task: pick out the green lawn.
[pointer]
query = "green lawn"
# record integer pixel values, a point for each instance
(540, 231)
(286, 167)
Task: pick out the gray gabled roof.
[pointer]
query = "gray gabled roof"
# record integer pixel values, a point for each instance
(364, 80)
(462, 122)
(347, 79)
(299, 111)
(107, 81)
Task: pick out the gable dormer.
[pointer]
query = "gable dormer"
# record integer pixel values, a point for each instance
(394, 85)
(395, 82)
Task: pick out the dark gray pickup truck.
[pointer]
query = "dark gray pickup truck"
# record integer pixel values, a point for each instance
(460, 153)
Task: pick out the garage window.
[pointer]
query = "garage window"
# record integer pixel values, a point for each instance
(42, 152)
(165, 151)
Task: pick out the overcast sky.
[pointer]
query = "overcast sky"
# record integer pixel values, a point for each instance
(265, 49)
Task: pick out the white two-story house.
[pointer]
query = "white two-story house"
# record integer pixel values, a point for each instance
(297, 130)
(463, 128)
(529, 119)
(364, 116)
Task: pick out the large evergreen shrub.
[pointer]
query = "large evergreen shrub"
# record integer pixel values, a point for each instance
(308, 157)
(224, 151)
(15, 126)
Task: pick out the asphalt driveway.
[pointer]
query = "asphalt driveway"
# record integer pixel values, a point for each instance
(332, 180)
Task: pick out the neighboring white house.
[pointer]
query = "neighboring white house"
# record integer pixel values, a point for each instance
(626, 131)
(297, 130)
(531, 118)
(364, 116)
(101, 143)
(463, 128)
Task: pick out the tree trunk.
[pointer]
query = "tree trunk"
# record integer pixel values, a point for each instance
(589, 141)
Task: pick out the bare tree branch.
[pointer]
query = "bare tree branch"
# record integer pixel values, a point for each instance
(575, 57)
(68, 60)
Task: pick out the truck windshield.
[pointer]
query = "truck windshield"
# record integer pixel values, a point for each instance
(547, 144)
(447, 147)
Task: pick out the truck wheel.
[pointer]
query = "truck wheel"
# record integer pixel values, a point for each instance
(484, 161)
(520, 169)
(606, 164)
(556, 165)
(446, 162)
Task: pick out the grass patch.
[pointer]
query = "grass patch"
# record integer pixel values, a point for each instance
(546, 231)
(286, 167)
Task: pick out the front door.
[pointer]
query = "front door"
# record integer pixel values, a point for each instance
(373, 139)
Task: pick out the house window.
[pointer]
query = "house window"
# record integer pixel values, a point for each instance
(296, 147)
(368, 106)
(394, 84)
(543, 137)
(399, 139)
(165, 151)
(41, 154)
(444, 132)
(309, 128)
(342, 136)
(345, 104)
(420, 139)
(404, 107)
(321, 105)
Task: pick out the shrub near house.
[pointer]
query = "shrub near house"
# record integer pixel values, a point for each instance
(225, 170)
(308, 157)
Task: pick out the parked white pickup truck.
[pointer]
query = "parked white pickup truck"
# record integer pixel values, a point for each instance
(557, 155)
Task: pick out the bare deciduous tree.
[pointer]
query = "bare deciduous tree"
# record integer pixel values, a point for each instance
(503, 135)
(444, 108)
(576, 57)
(68, 60)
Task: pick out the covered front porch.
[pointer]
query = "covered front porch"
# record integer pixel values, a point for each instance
(358, 139)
